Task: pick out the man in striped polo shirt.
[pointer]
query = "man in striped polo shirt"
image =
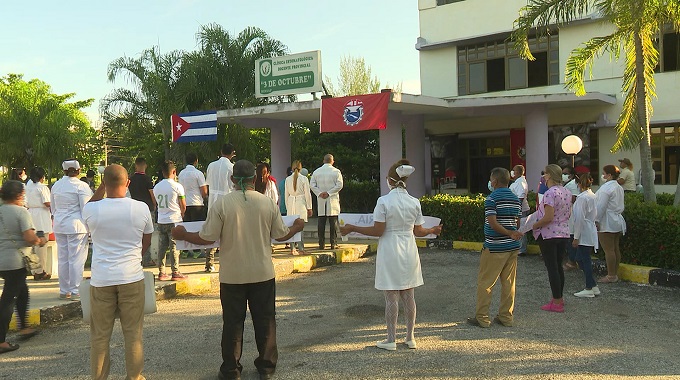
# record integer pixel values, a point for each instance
(502, 211)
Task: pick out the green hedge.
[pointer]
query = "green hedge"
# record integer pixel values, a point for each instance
(652, 239)
(359, 197)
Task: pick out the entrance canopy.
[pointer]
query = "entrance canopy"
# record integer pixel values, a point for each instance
(409, 111)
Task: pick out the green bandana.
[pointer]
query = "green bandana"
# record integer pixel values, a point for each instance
(244, 187)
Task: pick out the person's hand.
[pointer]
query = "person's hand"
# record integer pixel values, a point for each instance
(299, 224)
(178, 232)
(43, 241)
(309, 213)
(346, 229)
(516, 235)
(437, 230)
(324, 195)
(574, 243)
(597, 226)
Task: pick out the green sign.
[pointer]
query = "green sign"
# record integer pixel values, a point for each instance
(288, 75)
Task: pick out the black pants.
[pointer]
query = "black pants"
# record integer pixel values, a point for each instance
(15, 288)
(260, 297)
(553, 251)
(322, 230)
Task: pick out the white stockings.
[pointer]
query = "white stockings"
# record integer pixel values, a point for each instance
(392, 312)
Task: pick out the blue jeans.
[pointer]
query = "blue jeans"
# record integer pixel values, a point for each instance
(585, 263)
(571, 251)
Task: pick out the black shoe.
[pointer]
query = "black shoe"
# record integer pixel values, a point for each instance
(321, 246)
(498, 321)
(333, 246)
(522, 254)
(220, 376)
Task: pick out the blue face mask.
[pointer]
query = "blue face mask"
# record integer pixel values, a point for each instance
(490, 187)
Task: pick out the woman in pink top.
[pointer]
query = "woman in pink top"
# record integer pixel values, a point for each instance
(551, 231)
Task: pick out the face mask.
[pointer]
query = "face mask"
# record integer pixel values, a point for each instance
(565, 177)
(512, 173)
(490, 187)
(604, 179)
(389, 185)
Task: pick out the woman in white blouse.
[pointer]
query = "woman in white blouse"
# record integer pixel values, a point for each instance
(609, 221)
(264, 184)
(38, 204)
(585, 233)
(397, 220)
(298, 200)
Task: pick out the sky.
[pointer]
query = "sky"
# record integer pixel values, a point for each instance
(69, 44)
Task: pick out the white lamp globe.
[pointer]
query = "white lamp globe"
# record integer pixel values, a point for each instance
(572, 144)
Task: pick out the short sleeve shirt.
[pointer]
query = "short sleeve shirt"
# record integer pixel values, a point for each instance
(117, 226)
(559, 199)
(629, 179)
(245, 229)
(16, 220)
(505, 206)
(140, 184)
(167, 193)
(192, 180)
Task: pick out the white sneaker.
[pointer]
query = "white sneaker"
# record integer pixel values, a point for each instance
(385, 345)
(411, 344)
(596, 290)
(585, 293)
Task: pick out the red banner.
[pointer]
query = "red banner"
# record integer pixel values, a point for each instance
(355, 113)
(518, 148)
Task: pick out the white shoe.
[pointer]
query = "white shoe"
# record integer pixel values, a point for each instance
(411, 344)
(385, 345)
(596, 290)
(585, 293)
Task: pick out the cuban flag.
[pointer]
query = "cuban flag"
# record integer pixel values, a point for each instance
(194, 126)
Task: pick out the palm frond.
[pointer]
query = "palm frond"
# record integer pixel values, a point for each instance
(582, 58)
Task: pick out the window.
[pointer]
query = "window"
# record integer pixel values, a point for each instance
(665, 154)
(495, 66)
(669, 50)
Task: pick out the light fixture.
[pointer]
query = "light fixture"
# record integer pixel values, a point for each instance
(572, 145)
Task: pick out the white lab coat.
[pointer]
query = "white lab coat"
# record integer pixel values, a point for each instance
(37, 194)
(584, 213)
(298, 201)
(327, 179)
(218, 177)
(69, 196)
(397, 265)
(521, 190)
(609, 204)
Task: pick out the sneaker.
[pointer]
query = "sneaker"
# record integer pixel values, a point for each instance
(164, 277)
(176, 276)
(596, 290)
(210, 269)
(498, 321)
(385, 345)
(411, 344)
(474, 322)
(150, 264)
(66, 296)
(585, 293)
(554, 307)
(183, 254)
(75, 297)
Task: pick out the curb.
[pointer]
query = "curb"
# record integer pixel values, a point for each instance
(627, 272)
(202, 283)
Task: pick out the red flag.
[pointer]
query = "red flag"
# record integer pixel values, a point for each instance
(355, 113)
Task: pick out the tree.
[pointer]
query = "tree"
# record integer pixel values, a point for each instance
(637, 25)
(40, 128)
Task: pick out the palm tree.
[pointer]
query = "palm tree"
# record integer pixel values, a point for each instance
(158, 91)
(637, 24)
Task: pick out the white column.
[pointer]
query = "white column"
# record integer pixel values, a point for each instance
(280, 146)
(415, 152)
(390, 147)
(536, 130)
(428, 165)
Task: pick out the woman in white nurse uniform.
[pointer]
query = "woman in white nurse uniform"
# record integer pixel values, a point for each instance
(298, 200)
(397, 220)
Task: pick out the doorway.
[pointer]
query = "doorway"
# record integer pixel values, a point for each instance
(480, 169)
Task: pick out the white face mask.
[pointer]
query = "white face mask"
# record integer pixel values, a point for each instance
(512, 173)
(565, 177)
(603, 178)
(389, 185)
(490, 187)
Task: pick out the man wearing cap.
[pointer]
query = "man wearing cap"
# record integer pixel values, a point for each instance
(69, 196)
(245, 221)
(627, 177)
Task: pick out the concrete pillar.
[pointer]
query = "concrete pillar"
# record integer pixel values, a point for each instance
(415, 152)
(280, 146)
(428, 165)
(536, 128)
(280, 143)
(390, 147)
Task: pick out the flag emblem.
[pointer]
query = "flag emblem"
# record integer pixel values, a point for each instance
(354, 112)
(194, 126)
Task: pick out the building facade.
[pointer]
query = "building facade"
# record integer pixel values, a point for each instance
(519, 110)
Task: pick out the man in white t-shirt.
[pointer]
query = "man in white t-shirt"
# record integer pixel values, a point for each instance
(219, 173)
(121, 230)
(195, 189)
(521, 190)
(171, 207)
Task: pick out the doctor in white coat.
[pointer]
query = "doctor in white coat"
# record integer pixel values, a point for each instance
(298, 200)
(69, 196)
(398, 219)
(326, 183)
(609, 221)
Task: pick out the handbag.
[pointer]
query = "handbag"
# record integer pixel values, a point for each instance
(30, 259)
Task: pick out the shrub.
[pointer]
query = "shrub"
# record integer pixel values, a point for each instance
(652, 239)
(359, 197)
